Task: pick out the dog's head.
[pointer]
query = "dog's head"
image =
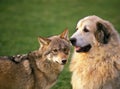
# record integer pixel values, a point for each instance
(90, 31)
(55, 48)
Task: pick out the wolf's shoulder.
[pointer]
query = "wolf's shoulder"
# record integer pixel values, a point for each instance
(16, 58)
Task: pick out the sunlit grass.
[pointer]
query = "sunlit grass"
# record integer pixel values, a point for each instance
(22, 21)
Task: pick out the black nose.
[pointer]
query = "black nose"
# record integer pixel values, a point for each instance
(73, 41)
(64, 61)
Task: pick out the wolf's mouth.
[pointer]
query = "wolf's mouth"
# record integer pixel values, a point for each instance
(83, 49)
(63, 62)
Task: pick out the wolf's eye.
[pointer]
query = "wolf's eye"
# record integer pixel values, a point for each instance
(55, 51)
(85, 30)
(66, 51)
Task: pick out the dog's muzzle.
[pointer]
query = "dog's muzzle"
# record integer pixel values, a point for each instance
(79, 48)
(73, 41)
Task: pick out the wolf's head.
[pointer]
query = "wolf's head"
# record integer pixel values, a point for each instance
(56, 48)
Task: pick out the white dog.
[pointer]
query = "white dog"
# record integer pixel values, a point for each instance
(96, 60)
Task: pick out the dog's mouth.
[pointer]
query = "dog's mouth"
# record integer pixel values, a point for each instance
(83, 49)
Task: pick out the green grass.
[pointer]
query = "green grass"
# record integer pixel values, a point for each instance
(22, 21)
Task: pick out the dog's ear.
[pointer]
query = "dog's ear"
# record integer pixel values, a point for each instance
(102, 35)
(64, 34)
(43, 41)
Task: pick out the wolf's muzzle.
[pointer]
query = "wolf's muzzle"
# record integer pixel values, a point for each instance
(64, 62)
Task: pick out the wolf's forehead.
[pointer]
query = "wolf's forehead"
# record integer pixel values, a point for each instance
(61, 43)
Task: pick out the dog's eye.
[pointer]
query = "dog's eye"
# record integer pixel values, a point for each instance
(85, 30)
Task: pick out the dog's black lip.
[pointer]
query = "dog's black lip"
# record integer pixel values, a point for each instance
(85, 48)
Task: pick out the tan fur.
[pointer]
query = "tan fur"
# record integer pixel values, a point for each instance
(100, 67)
(35, 70)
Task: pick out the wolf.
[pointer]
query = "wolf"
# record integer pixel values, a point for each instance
(38, 69)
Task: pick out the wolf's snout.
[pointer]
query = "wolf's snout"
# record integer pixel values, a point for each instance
(73, 41)
(64, 61)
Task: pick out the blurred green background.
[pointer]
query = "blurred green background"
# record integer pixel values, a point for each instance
(22, 21)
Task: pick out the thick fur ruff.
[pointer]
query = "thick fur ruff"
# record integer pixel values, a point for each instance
(99, 68)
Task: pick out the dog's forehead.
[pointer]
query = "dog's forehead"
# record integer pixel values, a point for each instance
(86, 23)
(89, 22)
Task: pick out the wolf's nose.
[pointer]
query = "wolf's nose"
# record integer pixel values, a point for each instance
(64, 61)
(73, 41)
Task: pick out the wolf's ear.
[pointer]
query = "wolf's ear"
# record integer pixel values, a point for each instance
(64, 34)
(102, 35)
(43, 41)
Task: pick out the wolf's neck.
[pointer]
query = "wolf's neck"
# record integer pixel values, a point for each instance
(44, 67)
(47, 70)
(47, 66)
